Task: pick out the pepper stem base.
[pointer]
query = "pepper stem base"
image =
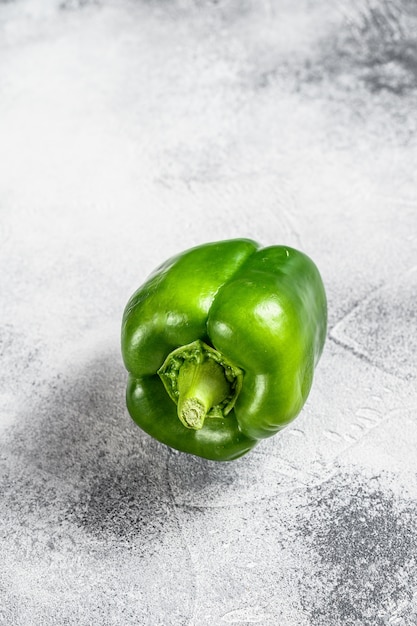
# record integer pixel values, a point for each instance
(201, 382)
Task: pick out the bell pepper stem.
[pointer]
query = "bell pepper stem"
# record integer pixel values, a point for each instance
(201, 382)
(201, 385)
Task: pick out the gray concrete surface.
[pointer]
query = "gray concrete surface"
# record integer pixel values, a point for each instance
(132, 130)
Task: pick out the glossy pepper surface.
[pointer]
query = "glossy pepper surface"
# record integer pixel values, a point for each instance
(221, 343)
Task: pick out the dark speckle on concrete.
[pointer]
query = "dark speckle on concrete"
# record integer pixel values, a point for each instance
(365, 541)
(123, 493)
(378, 43)
(122, 506)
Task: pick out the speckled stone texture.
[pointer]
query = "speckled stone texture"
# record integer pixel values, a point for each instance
(130, 131)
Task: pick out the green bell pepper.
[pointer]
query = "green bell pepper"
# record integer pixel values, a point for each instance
(221, 343)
